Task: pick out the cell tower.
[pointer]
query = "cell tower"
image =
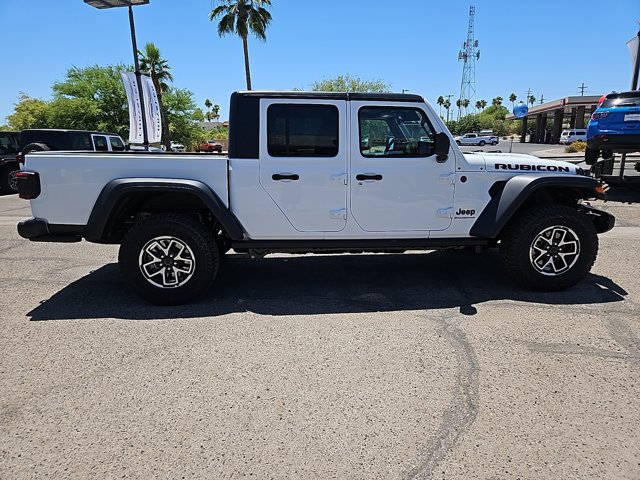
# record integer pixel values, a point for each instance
(468, 55)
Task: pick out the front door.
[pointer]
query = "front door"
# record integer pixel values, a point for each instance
(397, 184)
(303, 161)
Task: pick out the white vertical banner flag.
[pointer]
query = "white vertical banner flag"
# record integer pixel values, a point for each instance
(634, 45)
(151, 109)
(135, 111)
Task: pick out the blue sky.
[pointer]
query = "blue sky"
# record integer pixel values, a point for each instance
(550, 47)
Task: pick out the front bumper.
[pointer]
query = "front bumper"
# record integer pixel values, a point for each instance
(616, 142)
(602, 220)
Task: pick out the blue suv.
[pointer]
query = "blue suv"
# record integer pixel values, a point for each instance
(614, 126)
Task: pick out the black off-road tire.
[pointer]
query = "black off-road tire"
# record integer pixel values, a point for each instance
(591, 156)
(522, 243)
(188, 248)
(8, 182)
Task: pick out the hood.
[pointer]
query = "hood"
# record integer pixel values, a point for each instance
(517, 163)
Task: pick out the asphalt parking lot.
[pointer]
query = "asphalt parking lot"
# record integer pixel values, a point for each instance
(423, 365)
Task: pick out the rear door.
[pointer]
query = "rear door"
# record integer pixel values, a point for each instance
(397, 185)
(303, 161)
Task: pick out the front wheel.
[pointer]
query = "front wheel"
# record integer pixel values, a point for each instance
(591, 156)
(169, 259)
(549, 247)
(494, 143)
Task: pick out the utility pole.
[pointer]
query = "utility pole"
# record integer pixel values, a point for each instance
(582, 88)
(541, 98)
(468, 55)
(528, 96)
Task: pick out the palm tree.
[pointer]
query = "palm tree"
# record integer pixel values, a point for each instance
(532, 100)
(152, 64)
(465, 103)
(496, 102)
(447, 106)
(483, 104)
(208, 105)
(215, 112)
(512, 99)
(243, 17)
(440, 102)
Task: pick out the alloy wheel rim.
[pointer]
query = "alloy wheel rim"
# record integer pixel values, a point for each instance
(13, 180)
(166, 262)
(554, 250)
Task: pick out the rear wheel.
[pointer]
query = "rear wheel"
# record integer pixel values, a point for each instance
(549, 247)
(169, 259)
(482, 143)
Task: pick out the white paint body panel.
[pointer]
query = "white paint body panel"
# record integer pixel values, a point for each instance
(72, 182)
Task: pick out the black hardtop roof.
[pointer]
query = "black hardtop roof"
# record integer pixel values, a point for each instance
(68, 130)
(379, 97)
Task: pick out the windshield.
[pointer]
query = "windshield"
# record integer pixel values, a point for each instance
(9, 143)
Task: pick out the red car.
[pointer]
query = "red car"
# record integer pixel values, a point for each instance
(209, 146)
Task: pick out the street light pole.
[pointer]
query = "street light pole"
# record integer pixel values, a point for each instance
(104, 4)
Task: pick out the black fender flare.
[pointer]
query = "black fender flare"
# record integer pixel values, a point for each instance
(115, 190)
(508, 199)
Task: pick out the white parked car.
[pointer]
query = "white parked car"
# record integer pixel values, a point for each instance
(477, 139)
(570, 136)
(176, 147)
(316, 172)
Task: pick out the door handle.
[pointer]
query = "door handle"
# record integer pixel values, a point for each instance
(363, 176)
(285, 176)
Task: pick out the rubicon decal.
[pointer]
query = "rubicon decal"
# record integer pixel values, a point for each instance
(531, 168)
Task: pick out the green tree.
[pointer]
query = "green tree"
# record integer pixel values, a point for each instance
(215, 112)
(483, 104)
(532, 100)
(29, 113)
(440, 102)
(512, 99)
(447, 106)
(479, 105)
(98, 90)
(156, 67)
(347, 83)
(182, 116)
(465, 103)
(242, 17)
(497, 101)
(208, 104)
(468, 123)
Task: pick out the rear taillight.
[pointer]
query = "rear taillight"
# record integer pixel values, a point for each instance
(597, 115)
(28, 185)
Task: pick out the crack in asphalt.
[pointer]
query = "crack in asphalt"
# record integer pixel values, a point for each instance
(618, 329)
(463, 409)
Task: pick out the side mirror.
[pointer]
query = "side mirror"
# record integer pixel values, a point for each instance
(442, 147)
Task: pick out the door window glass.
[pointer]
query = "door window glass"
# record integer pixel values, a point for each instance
(404, 132)
(302, 130)
(101, 143)
(116, 144)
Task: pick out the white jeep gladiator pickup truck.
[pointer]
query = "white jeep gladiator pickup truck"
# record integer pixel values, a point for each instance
(315, 172)
(477, 139)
